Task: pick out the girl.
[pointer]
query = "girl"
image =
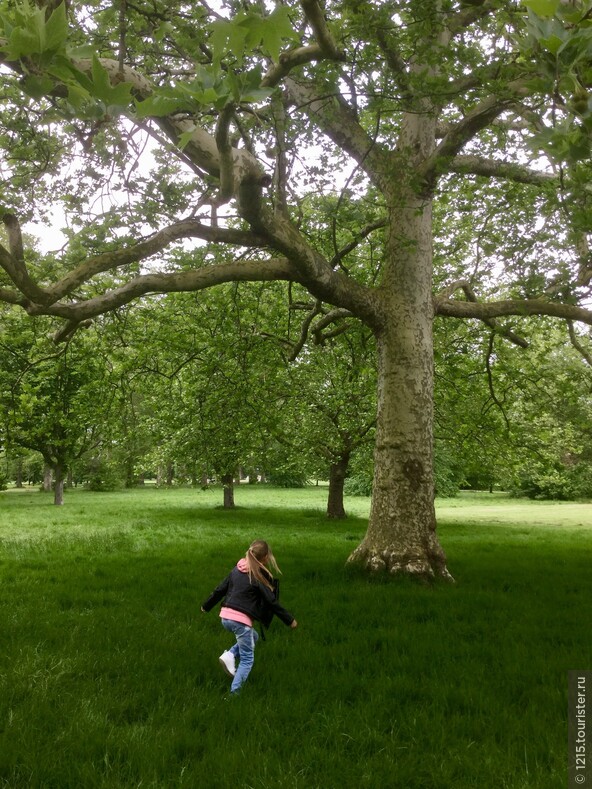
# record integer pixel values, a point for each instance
(249, 594)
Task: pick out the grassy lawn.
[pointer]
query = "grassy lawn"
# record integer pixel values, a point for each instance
(109, 675)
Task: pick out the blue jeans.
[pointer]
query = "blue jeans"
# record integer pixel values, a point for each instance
(243, 651)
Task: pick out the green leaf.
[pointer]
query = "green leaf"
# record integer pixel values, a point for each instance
(22, 43)
(56, 29)
(228, 37)
(159, 105)
(100, 80)
(543, 8)
(84, 52)
(113, 96)
(552, 44)
(256, 95)
(277, 27)
(65, 70)
(77, 96)
(184, 139)
(162, 30)
(37, 86)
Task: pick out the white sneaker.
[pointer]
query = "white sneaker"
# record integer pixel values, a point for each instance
(227, 662)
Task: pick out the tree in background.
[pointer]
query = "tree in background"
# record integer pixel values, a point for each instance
(548, 409)
(334, 405)
(398, 108)
(55, 400)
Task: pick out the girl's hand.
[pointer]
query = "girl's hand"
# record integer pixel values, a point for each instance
(294, 624)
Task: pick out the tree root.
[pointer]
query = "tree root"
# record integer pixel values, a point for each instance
(426, 569)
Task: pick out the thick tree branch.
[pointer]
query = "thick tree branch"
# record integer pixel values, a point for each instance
(201, 279)
(316, 18)
(188, 228)
(519, 307)
(314, 271)
(15, 238)
(68, 330)
(471, 12)
(330, 317)
(201, 149)
(291, 60)
(280, 176)
(12, 297)
(491, 168)
(225, 152)
(471, 296)
(13, 262)
(464, 130)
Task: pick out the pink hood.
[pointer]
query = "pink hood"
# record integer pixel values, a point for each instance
(242, 566)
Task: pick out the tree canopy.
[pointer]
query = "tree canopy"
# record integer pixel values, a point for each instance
(399, 161)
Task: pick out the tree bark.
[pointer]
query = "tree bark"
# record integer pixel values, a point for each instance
(228, 486)
(19, 474)
(337, 475)
(130, 480)
(47, 478)
(401, 536)
(58, 495)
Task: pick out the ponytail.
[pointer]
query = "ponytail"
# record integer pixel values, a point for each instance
(258, 553)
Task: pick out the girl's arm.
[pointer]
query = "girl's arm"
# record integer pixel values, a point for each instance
(218, 594)
(277, 609)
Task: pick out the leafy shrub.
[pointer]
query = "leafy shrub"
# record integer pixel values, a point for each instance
(287, 479)
(562, 483)
(104, 477)
(359, 484)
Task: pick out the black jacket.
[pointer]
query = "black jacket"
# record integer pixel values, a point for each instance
(251, 598)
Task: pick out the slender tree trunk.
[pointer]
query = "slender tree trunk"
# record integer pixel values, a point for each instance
(337, 475)
(228, 485)
(19, 474)
(58, 495)
(401, 536)
(130, 480)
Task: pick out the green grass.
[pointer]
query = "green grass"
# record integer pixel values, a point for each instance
(109, 675)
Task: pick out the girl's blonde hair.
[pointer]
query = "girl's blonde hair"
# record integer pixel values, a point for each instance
(260, 559)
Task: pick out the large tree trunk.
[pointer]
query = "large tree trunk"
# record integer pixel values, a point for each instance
(47, 478)
(337, 475)
(401, 536)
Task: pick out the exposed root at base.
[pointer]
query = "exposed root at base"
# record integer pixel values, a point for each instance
(422, 568)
